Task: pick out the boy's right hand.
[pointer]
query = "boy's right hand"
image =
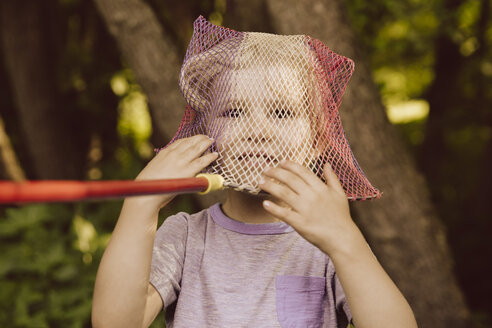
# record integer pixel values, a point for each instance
(182, 159)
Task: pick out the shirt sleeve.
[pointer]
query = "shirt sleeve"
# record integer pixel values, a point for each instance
(168, 257)
(343, 314)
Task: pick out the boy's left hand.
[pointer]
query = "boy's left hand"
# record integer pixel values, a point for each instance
(318, 211)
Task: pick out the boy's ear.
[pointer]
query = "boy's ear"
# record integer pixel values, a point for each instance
(201, 73)
(194, 81)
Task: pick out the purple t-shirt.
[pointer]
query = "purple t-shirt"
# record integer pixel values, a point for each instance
(213, 271)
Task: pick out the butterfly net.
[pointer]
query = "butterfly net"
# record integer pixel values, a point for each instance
(265, 98)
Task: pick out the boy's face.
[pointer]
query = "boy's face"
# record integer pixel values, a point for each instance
(266, 119)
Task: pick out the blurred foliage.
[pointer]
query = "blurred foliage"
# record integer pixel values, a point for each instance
(134, 122)
(50, 253)
(399, 39)
(47, 281)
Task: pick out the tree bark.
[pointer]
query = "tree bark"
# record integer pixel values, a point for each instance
(248, 15)
(30, 64)
(401, 227)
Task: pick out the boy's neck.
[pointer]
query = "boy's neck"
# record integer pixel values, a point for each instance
(246, 208)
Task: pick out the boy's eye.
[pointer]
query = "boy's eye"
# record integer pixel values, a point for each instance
(282, 113)
(232, 113)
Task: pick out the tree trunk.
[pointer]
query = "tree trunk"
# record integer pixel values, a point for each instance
(401, 227)
(248, 15)
(29, 61)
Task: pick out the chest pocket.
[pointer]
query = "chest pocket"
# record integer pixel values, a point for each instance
(300, 301)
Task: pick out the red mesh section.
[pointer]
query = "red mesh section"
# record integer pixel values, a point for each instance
(333, 73)
(264, 98)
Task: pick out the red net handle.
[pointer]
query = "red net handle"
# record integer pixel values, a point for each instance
(65, 191)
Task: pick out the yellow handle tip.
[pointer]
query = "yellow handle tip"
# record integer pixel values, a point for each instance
(215, 182)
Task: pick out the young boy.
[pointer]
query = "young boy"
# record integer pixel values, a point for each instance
(282, 251)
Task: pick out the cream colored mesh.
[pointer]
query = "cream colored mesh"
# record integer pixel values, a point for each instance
(265, 98)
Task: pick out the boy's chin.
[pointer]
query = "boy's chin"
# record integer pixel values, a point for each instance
(261, 194)
(253, 192)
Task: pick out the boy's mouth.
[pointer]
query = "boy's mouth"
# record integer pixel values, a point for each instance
(258, 158)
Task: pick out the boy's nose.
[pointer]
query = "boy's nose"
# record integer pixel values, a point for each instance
(259, 129)
(257, 138)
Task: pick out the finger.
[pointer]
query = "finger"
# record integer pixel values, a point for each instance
(331, 178)
(303, 172)
(203, 161)
(279, 191)
(282, 213)
(202, 145)
(288, 178)
(183, 151)
(188, 142)
(197, 140)
(196, 146)
(175, 144)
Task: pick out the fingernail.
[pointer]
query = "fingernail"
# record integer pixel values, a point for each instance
(261, 181)
(266, 169)
(266, 203)
(283, 161)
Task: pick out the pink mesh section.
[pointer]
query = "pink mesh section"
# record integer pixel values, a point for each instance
(333, 73)
(264, 98)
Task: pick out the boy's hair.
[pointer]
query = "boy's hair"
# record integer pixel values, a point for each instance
(301, 82)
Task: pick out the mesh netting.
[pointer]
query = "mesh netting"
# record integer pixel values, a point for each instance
(264, 98)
